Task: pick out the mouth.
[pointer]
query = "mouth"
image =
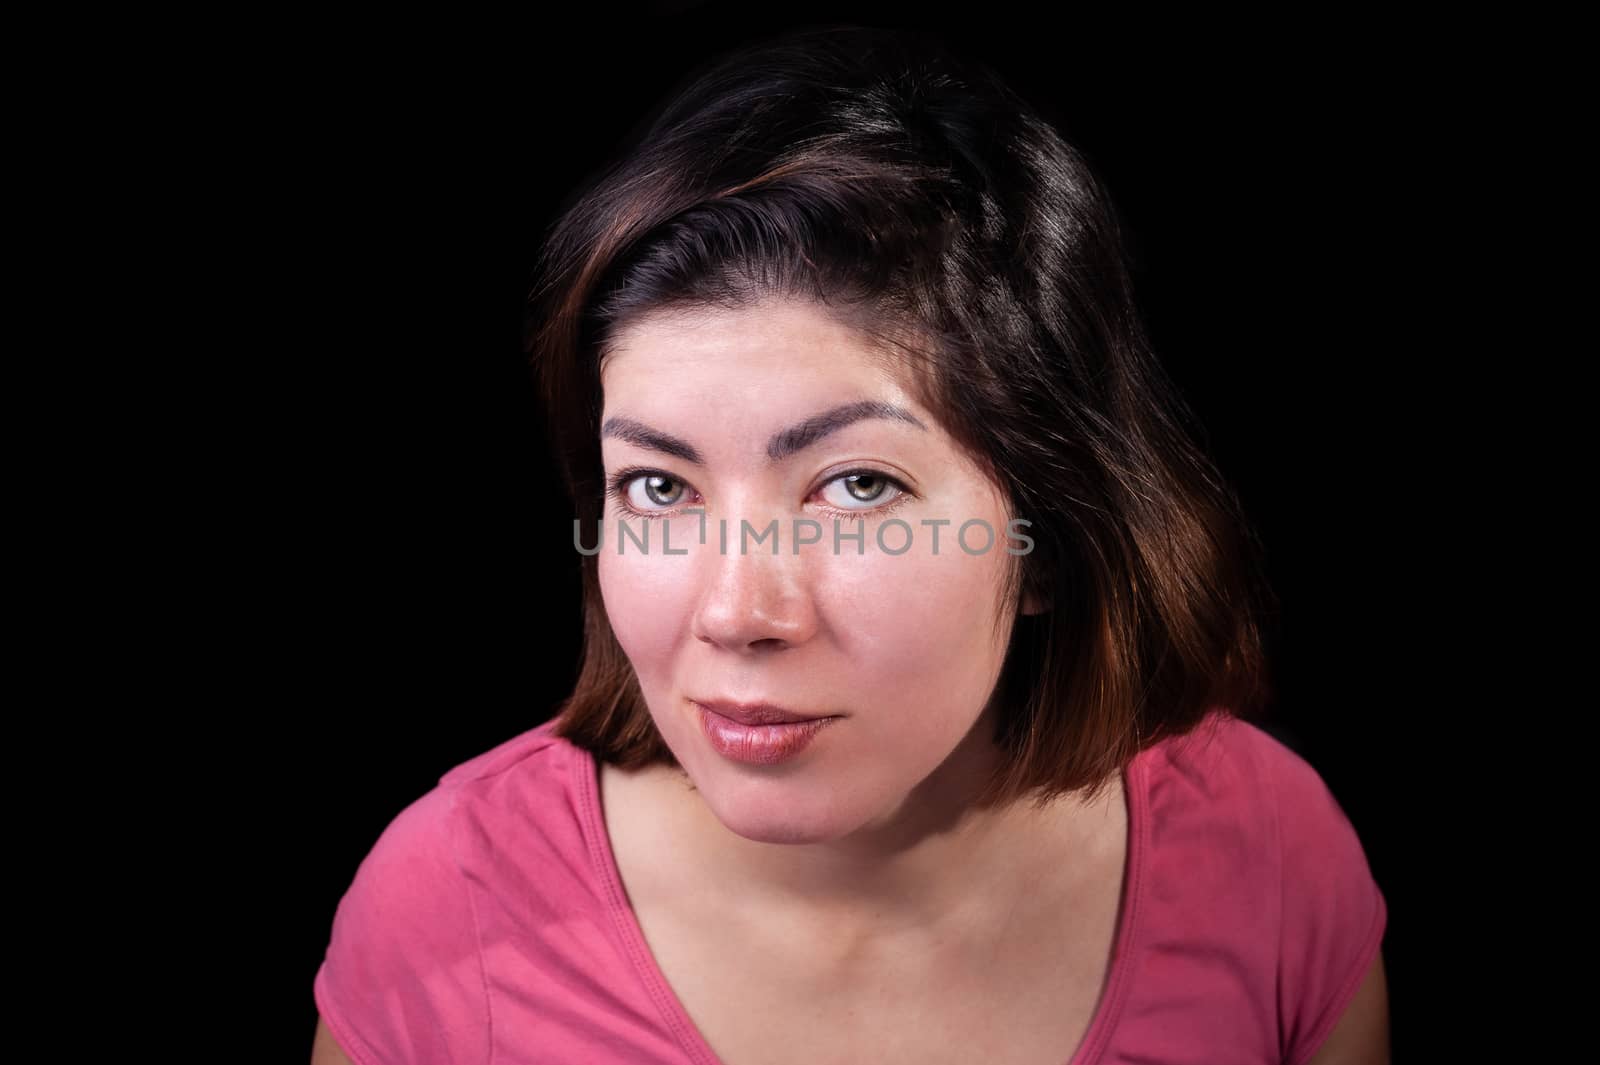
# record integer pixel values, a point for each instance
(757, 713)
(759, 734)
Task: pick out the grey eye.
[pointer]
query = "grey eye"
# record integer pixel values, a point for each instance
(861, 488)
(653, 490)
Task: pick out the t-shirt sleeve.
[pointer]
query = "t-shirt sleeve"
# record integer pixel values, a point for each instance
(1333, 913)
(402, 979)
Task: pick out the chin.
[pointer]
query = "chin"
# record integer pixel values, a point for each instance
(774, 819)
(781, 834)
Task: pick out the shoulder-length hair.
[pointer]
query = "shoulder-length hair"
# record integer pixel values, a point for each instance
(909, 192)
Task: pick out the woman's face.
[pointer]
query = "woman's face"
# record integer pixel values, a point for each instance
(904, 648)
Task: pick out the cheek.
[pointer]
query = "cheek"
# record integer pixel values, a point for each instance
(921, 628)
(647, 599)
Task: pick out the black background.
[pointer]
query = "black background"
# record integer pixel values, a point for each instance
(412, 598)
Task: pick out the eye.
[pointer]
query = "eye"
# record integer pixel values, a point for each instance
(653, 490)
(862, 490)
(653, 493)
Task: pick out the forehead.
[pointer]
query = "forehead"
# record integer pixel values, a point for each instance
(776, 348)
(726, 381)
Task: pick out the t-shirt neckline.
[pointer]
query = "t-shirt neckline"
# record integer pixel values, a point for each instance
(1124, 946)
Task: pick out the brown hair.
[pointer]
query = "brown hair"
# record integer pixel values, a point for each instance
(909, 191)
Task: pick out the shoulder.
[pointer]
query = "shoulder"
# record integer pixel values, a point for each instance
(540, 742)
(1304, 861)
(1333, 911)
(414, 871)
(1245, 773)
(1311, 841)
(1239, 781)
(402, 978)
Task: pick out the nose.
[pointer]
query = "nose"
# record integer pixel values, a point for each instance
(755, 601)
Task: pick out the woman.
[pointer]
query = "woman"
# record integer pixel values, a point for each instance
(920, 639)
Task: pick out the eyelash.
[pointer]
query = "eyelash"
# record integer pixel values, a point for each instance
(617, 489)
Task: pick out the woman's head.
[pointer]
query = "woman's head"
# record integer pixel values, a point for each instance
(877, 590)
(853, 217)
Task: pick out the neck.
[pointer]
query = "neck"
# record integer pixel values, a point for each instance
(932, 870)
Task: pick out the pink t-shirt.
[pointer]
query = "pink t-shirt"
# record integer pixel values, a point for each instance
(488, 924)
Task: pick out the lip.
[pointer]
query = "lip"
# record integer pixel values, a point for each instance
(759, 744)
(757, 713)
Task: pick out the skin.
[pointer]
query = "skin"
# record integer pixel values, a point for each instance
(324, 1050)
(1362, 1035)
(869, 828)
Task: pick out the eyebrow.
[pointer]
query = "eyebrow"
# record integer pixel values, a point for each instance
(784, 443)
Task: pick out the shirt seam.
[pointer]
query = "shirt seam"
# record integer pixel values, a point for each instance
(477, 931)
(1371, 942)
(350, 1041)
(1277, 851)
(1138, 793)
(584, 768)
